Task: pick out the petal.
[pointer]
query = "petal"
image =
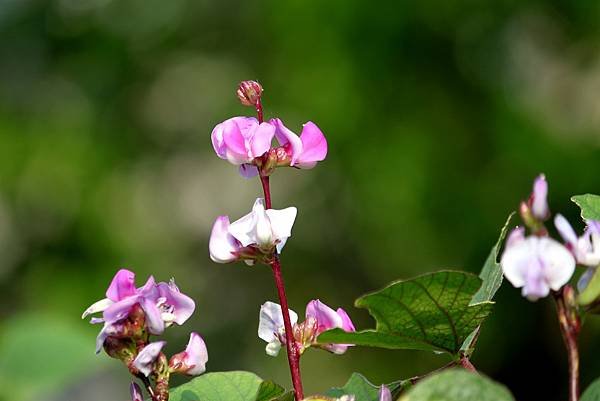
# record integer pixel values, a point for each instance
(119, 310)
(99, 306)
(285, 136)
(244, 229)
(326, 317)
(347, 324)
(272, 348)
(535, 285)
(585, 278)
(337, 349)
(154, 320)
(235, 144)
(197, 355)
(222, 245)
(515, 261)
(314, 146)
(516, 235)
(271, 321)
(565, 230)
(261, 139)
(385, 394)
(144, 361)
(559, 264)
(217, 141)
(122, 286)
(263, 231)
(248, 171)
(183, 305)
(539, 206)
(282, 222)
(136, 392)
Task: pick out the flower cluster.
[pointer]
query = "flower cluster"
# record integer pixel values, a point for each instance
(130, 315)
(537, 263)
(318, 318)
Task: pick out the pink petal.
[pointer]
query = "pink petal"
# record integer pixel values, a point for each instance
(122, 286)
(326, 317)
(144, 361)
(261, 139)
(347, 324)
(222, 245)
(285, 136)
(248, 171)
(314, 146)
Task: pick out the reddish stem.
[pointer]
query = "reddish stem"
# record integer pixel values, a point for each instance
(290, 342)
(259, 111)
(569, 328)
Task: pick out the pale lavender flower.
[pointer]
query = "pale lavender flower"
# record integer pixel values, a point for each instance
(537, 265)
(193, 360)
(539, 202)
(144, 361)
(271, 328)
(222, 246)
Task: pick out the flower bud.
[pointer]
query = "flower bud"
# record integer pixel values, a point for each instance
(249, 93)
(193, 360)
(136, 392)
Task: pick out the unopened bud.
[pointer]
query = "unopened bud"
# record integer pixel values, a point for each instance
(136, 392)
(249, 93)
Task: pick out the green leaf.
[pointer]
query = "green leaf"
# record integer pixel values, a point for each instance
(491, 273)
(589, 205)
(226, 386)
(269, 391)
(592, 393)
(431, 312)
(491, 277)
(363, 389)
(591, 293)
(457, 385)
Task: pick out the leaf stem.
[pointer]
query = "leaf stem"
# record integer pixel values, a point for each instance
(569, 327)
(290, 343)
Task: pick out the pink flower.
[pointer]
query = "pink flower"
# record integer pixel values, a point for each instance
(163, 304)
(193, 360)
(261, 230)
(304, 151)
(242, 139)
(328, 319)
(144, 361)
(384, 393)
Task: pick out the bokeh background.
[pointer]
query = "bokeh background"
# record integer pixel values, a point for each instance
(438, 116)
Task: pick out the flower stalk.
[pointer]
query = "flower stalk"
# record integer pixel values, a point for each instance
(570, 325)
(290, 343)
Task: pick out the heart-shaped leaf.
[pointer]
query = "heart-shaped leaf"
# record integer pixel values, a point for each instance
(432, 312)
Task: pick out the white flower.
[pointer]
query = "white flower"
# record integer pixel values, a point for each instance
(537, 264)
(271, 328)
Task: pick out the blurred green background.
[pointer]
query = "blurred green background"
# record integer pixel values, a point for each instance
(438, 116)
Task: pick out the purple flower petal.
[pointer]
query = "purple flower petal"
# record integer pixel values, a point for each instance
(539, 204)
(314, 146)
(182, 305)
(261, 139)
(248, 171)
(384, 394)
(144, 361)
(122, 286)
(326, 317)
(193, 360)
(285, 136)
(222, 246)
(136, 392)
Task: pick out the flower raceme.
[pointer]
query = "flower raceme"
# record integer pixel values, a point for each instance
(245, 142)
(160, 304)
(318, 318)
(253, 237)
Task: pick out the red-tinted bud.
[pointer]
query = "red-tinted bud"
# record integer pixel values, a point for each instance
(249, 93)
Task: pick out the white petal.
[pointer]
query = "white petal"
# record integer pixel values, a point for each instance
(244, 229)
(559, 264)
(271, 321)
(515, 261)
(282, 222)
(272, 348)
(96, 307)
(264, 233)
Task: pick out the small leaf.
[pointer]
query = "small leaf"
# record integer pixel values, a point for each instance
(591, 293)
(491, 273)
(219, 386)
(457, 385)
(589, 205)
(269, 391)
(592, 393)
(431, 312)
(491, 277)
(364, 390)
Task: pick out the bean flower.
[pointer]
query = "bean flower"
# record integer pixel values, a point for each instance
(536, 264)
(193, 360)
(257, 234)
(245, 142)
(144, 361)
(318, 318)
(162, 305)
